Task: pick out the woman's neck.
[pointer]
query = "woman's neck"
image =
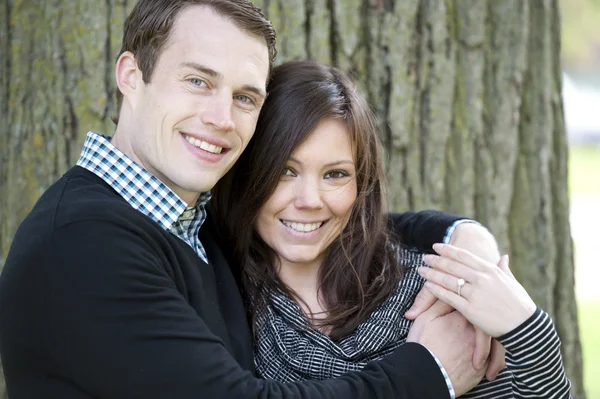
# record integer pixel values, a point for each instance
(303, 280)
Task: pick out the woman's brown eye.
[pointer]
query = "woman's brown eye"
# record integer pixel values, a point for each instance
(336, 174)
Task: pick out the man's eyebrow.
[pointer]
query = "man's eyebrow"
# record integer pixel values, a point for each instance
(211, 72)
(202, 68)
(256, 90)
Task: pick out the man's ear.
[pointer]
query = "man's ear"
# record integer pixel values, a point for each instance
(128, 76)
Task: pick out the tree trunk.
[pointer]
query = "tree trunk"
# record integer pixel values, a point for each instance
(56, 83)
(467, 93)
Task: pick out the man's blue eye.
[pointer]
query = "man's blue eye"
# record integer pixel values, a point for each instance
(243, 98)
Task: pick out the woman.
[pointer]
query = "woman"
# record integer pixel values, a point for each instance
(320, 266)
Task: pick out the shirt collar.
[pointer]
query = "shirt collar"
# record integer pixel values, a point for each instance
(136, 185)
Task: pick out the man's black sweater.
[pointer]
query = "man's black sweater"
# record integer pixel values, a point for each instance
(98, 301)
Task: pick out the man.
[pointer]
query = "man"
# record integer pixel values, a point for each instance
(109, 291)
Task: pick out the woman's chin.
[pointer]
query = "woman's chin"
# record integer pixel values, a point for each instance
(299, 258)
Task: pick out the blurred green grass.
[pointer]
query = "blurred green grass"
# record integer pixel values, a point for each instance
(584, 180)
(589, 328)
(584, 170)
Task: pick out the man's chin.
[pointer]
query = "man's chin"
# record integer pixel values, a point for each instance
(189, 192)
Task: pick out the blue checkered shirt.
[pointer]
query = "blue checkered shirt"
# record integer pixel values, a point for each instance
(143, 191)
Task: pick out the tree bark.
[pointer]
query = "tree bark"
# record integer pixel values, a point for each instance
(56, 83)
(467, 94)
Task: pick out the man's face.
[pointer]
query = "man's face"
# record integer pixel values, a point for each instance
(199, 110)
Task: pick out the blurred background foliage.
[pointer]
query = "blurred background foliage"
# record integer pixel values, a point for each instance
(580, 20)
(581, 35)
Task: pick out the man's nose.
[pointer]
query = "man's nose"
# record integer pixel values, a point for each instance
(219, 113)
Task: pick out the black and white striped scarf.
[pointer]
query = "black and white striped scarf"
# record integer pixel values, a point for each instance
(289, 350)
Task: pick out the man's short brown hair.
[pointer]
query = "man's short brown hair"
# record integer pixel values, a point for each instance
(148, 26)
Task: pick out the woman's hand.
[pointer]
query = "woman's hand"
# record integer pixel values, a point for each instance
(478, 240)
(491, 298)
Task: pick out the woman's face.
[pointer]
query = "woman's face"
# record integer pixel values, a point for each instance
(314, 197)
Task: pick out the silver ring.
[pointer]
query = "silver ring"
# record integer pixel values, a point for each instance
(460, 283)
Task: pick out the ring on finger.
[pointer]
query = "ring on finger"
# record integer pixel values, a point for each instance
(459, 283)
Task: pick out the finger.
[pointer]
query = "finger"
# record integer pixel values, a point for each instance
(423, 301)
(497, 362)
(483, 343)
(462, 256)
(447, 297)
(438, 309)
(448, 281)
(503, 265)
(450, 266)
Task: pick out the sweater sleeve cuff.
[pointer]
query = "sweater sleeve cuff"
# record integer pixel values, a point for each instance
(417, 372)
(529, 331)
(444, 373)
(450, 230)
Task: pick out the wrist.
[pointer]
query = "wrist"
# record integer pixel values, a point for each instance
(522, 317)
(507, 339)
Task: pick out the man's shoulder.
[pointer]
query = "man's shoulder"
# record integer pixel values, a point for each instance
(81, 210)
(78, 196)
(85, 196)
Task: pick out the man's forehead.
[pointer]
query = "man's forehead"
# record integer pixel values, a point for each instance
(204, 40)
(207, 21)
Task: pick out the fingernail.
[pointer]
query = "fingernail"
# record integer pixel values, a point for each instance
(494, 377)
(437, 246)
(427, 258)
(422, 271)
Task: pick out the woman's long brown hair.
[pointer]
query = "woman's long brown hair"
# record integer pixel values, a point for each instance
(360, 270)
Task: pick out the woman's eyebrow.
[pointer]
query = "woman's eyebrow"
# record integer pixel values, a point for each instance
(327, 165)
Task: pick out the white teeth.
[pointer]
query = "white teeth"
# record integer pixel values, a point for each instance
(204, 145)
(302, 227)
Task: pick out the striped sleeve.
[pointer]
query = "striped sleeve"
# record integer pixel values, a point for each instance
(533, 356)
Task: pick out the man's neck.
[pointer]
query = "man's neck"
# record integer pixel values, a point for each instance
(121, 142)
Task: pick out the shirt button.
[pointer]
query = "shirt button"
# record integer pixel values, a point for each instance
(187, 214)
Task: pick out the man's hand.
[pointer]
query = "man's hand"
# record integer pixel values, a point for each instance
(451, 338)
(478, 240)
